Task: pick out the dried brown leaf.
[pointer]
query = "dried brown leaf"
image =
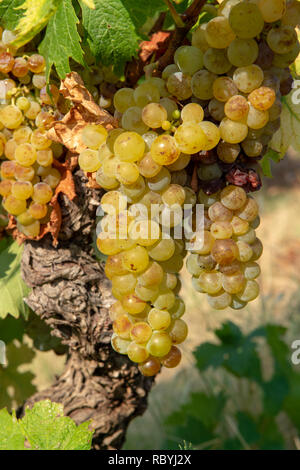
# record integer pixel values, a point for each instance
(85, 111)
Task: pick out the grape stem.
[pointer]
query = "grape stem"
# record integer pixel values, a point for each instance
(176, 17)
(188, 18)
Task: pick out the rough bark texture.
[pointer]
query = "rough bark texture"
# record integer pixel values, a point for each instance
(70, 292)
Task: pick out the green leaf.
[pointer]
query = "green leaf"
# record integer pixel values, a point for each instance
(62, 40)
(11, 436)
(11, 12)
(11, 378)
(143, 9)
(289, 132)
(12, 287)
(111, 32)
(46, 428)
(265, 162)
(35, 16)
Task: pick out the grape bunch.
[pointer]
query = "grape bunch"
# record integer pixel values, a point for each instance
(28, 177)
(202, 124)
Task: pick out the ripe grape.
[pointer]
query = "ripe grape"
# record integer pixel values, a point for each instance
(188, 59)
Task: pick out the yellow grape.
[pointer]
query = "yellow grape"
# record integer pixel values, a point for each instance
(129, 147)
(164, 150)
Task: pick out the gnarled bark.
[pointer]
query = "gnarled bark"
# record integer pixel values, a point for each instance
(70, 292)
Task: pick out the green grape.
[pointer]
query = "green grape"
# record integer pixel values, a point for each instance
(178, 331)
(199, 38)
(147, 293)
(105, 181)
(220, 300)
(216, 61)
(113, 202)
(188, 59)
(165, 299)
(137, 353)
(272, 10)
(218, 212)
(42, 193)
(249, 210)
(127, 173)
(10, 149)
(168, 70)
(39, 139)
(150, 367)
(237, 304)
(262, 98)
(190, 137)
(132, 120)
(178, 309)
(172, 359)
(25, 218)
(210, 282)
(146, 93)
(129, 147)
(154, 114)
(11, 116)
(25, 155)
(23, 173)
(292, 14)
(22, 134)
(170, 106)
(233, 132)
(224, 88)
(159, 319)
(32, 230)
(160, 84)
(237, 108)
(124, 99)
(14, 206)
(225, 251)
(122, 326)
(136, 259)
(164, 150)
(256, 118)
(118, 344)
(252, 148)
(251, 270)
(233, 283)
(239, 226)
(203, 243)
(94, 135)
(227, 152)
(257, 249)
(153, 275)
(44, 157)
(133, 304)
(124, 283)
(212, 134)
(145, 232)
(114, 266)
(248, 78)
(89, 160)
(193, 266)
(140, 332)
(149, 138)
(5, 188)
(159, 344)
(174, 194)
(233, 198)
(22, 190)
(107, 149)
(218, 33)
(162, 250)
(221, 230)
(242, 52)
(246, 20)
(134, 191)
(202, 85)
(245, 251)
(192, 112)
(179, 85)
(216, 109)
(249, 292)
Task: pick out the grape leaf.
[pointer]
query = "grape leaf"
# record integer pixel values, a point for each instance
(143, 9)
(111, 32)
(35, 16)
(11, 379)
(289, 132)
(12, 287)
(11, 436)
(46, 428)
(10, 12)
(265, 162)
(62, 40)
